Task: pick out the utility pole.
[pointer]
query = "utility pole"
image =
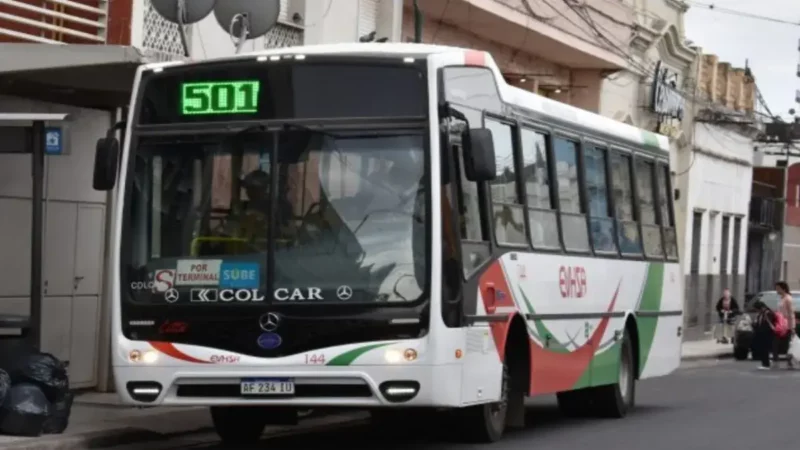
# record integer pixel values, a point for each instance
(417, 23)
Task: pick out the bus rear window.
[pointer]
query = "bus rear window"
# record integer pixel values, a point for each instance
(250, 90)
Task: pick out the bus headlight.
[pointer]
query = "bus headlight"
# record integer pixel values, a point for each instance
(147, 357)
(394, 356)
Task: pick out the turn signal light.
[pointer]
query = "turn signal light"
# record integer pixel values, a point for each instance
(147, 357)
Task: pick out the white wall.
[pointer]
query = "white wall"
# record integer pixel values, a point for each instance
(716, 185)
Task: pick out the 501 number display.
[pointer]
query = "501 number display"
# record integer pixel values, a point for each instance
(228, 97)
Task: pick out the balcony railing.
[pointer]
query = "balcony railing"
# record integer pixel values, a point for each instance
(766, 212)
(54, 21)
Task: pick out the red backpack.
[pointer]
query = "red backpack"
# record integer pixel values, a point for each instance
(781, 325)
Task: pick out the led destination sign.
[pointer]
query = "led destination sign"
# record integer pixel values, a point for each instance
(232, 91)
(220, 97)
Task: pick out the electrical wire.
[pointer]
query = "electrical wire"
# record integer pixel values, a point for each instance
(439, 22)
(734, 12)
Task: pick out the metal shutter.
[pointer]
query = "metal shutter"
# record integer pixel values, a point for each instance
(367, 16)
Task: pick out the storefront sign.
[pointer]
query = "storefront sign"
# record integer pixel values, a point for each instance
(667, 100)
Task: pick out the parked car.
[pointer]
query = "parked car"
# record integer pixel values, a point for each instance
(743, 334)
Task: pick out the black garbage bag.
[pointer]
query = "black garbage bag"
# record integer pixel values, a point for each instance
(5, 385)
(24, 411)
(43, 370)
(59, 415)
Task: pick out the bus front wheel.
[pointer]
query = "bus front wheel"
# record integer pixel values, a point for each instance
(487, 422)
(238, 425)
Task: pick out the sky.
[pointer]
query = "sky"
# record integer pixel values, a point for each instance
(771, 48)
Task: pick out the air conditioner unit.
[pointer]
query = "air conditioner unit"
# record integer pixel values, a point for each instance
(658, 24)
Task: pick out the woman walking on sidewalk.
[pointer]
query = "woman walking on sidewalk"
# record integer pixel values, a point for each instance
(786, 309)
(764, 334)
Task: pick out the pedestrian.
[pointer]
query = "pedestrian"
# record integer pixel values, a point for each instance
(763, 333)
(786, 309)
(727, 310)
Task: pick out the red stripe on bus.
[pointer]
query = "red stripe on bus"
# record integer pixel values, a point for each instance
(555, 372)
(169, 349)
(474, 58)
(495, 293)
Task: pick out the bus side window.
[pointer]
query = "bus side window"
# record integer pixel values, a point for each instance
(573, 221)
(542, 214)
(651, 231)
(508, 220)
(600, 217)
(667, 218)
(622, 186)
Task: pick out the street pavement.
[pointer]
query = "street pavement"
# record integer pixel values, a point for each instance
(706, 404)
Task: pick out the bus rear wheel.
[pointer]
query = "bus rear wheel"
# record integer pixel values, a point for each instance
(238, 425)
(615, 400)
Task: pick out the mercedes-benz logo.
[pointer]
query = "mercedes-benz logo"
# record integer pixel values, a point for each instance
(344, 292)
(172, 295)
(269, 322)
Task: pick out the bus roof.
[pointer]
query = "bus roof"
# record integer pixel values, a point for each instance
(510, 94)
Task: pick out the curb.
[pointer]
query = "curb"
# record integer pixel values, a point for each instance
(706, 357)
(127, 435)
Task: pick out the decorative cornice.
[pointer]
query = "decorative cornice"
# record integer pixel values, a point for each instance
(678, 5)
(676, 47)
(643, 37)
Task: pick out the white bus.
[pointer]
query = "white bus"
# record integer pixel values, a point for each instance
(386, 227)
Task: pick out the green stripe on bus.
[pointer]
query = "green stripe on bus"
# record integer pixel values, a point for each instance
(651, 301)
(650, 139)
(347, 358)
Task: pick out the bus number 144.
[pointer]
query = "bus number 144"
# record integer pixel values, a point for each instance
(315, 359)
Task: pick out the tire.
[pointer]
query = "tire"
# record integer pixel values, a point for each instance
(486, 423)
(741, 353)
(616, 400)
(238, 425)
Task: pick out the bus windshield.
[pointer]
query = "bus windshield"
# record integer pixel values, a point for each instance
(292, 216)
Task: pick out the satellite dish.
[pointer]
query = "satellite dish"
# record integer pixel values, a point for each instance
(247, 19)
(193, 10)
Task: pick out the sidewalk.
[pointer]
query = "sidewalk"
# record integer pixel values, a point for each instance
(99, 420)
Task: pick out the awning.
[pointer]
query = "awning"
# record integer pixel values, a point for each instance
(92, 76)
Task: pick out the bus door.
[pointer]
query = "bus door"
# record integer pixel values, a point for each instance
(465, 244)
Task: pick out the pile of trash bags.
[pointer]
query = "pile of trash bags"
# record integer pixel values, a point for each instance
(34, 395)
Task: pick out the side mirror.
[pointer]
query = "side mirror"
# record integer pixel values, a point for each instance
(106, 163)
(479, 163)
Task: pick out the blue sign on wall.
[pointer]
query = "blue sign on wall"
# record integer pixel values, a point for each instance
(53, 141)
(240, 275)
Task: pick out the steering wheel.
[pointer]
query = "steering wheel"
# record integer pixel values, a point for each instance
(307, 231)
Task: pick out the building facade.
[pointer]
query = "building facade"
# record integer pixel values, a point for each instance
(718, 188)
(774, 242)
(705, 107)
(91, 84)
(546, 47)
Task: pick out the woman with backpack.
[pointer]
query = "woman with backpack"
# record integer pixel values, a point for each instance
(784, 322)
(764, 334)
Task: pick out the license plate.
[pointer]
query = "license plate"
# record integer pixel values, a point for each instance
(267, 386)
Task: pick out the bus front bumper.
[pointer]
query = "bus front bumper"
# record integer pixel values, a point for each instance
(351, 386)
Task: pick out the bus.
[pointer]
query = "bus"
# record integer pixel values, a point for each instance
(384, 227)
